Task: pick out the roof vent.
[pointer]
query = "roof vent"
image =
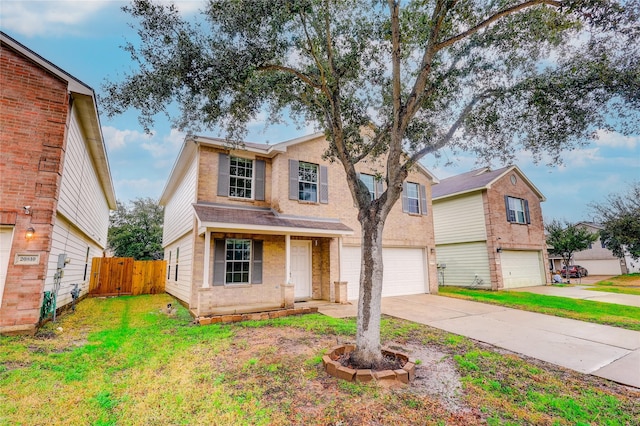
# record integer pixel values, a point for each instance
(482, 171)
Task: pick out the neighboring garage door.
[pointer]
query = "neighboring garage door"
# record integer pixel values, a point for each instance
(600, 267)
(521, 268)
(404, 271)
(6, 234)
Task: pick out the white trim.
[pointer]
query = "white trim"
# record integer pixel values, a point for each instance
(270, 230)
(287, 257)
(207, 259)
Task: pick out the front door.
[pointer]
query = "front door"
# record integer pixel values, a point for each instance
(301, 268)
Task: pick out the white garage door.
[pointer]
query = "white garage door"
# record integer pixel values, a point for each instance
(6, 234)
(521, 268)
(404, 271)
(601, 267)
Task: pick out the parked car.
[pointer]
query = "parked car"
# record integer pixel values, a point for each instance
(575, 271)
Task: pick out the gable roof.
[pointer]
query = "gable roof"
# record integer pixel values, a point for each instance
(477, 180)
(84, 99)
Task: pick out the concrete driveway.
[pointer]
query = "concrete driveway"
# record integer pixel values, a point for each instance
(604, 351)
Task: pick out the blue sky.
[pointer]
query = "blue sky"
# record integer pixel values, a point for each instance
(84, 39)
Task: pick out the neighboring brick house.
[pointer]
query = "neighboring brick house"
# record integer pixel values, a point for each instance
(54, 183)
(489, 230)
(252, 229)
(597, 259)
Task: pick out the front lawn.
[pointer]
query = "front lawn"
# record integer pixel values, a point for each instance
(126, 361)
(584, 310)
(622, 284)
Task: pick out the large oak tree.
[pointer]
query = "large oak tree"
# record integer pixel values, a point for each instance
(492, 77)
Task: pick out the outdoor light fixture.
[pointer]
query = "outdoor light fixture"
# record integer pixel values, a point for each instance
(29, 234)
(499, 250)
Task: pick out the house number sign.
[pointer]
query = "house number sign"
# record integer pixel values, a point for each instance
(27, 259)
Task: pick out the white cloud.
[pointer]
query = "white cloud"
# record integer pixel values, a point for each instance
(129, 189)
(116, 139)
(33, 18)
(167, 148)
(616, 140)
(62, 17)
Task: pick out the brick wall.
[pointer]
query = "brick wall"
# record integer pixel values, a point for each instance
(34, 111)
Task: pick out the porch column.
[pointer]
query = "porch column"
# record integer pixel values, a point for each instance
(287, 255)
(207, 259)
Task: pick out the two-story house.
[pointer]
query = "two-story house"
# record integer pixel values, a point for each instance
(252, 228)
(489, 230)
(55, 185)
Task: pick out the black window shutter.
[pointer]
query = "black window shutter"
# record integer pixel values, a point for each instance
(511, 215)
(223, 175)
(423, 199)
(256, 267)
(259, 178)
(527, 217)
(405, 200)
(324, 185)
(219, 255)
(293, 179)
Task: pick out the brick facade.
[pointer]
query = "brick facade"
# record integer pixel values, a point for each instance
(34, 110)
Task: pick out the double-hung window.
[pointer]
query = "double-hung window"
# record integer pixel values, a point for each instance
(240, 177)
(308, 182)
(414, 198)
(237, 261)
(517, 210)
(373, 185)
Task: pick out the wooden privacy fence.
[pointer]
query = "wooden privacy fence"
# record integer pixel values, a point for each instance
(114, 276)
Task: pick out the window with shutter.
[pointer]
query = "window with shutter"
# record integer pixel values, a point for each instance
(517, 210)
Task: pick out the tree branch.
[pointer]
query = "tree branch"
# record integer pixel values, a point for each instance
(289, 70)
(493, 18)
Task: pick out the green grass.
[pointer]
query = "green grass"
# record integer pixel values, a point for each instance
(619, 290)
(123, 361)
(585, 310)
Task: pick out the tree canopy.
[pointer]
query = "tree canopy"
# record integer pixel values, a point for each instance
(135, 230)
(493, 77)
(620, 217)
(565, 238)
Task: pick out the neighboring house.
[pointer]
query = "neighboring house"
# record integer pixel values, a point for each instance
(253, 228)
(597, 259)
(489, 230)
(55, 185)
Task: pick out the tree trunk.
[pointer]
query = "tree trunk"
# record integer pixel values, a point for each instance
(368, 350)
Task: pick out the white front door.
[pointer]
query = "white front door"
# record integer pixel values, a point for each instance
(6, 235)
(301, 268)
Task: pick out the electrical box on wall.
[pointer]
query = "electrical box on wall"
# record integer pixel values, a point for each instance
(63, 260)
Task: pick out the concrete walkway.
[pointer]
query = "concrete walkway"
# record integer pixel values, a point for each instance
(583, 292)
(604, 351)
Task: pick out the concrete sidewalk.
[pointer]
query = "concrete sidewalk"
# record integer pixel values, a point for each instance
(604, 351)
(583, 292)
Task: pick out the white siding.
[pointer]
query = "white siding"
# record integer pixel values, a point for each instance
(178, 212)
(522, 268)
(82, 199)
(459, 220)
(404, 271)
(6, 238)
(69, 240)
(464, 262)
(180, 288)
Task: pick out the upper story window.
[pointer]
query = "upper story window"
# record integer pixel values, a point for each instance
(240, 177)
(308, 182)
(373, 185)
(517, 210)
(414, 198)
